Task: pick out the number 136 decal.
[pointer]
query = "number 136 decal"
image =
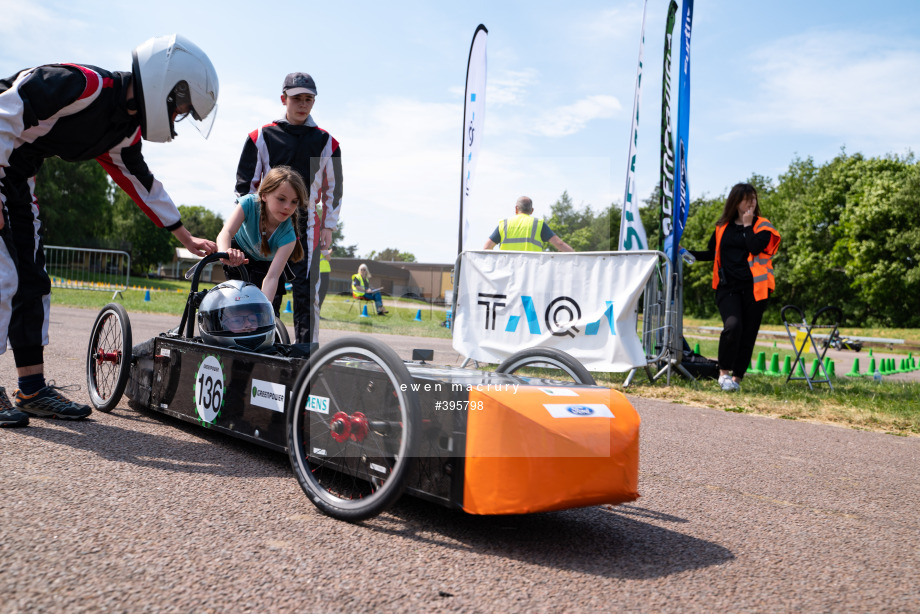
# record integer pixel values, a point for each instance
(209, 389)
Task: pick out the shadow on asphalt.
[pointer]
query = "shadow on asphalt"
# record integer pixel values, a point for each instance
(214, 453)
(605, 541)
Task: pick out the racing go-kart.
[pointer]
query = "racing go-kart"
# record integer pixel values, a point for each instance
(361, 426)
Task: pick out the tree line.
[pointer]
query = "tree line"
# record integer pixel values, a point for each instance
(850, 238)
(850, 232)
(81, 207)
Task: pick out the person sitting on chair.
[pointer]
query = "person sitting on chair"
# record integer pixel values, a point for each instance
(362, 291)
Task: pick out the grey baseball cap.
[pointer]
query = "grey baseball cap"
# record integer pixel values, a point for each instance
(299, 83)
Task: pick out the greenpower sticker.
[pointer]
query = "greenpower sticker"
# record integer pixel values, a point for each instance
(268, 395)
(209, 389)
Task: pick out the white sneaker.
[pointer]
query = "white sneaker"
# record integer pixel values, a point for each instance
(728, 384)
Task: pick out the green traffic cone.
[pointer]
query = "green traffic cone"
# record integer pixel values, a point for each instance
(872, 368)
(870, 351)
(787, 365)
(814, 368)
(854, 370)
(799, 368)
(761, 363)
(884, 368)
(832, 372)
(696, 348)
(774, 366)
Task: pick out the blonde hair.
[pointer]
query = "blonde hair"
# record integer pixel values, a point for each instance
(364, 268)
(271, 182)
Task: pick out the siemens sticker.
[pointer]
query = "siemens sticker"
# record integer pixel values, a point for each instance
(268, 395)
(318, 404)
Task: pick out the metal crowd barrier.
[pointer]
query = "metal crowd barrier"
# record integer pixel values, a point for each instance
(102, 270)
(662, 323)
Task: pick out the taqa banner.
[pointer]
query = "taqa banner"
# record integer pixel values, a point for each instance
(583, 303)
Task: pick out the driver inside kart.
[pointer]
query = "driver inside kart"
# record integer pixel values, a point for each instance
(242, 319)
(235, 314)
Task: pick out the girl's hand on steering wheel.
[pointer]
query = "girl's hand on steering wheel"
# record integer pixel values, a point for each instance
(236, 258)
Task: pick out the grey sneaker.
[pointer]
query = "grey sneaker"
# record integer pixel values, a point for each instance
(9, 415)
(728, 384)
(49, 403)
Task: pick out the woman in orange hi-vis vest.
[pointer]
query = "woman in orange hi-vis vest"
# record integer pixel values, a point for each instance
(741, 248)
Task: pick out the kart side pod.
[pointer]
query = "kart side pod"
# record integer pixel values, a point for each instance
(544, 448)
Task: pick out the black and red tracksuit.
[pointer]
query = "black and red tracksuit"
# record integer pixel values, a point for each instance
(74, 112)
(316, 155)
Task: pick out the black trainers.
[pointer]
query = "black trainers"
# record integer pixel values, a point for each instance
(49, 403)
(9, 415)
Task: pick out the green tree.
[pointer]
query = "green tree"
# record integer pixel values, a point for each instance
(391, 254)
(147, 244)
(584, 230)
(200, 222)
(339, 250)
(75, 200)
(879, 245)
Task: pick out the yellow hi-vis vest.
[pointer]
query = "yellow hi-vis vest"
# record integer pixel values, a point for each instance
(761, 264)
(324, 265)
(521, 233)
(358, 289)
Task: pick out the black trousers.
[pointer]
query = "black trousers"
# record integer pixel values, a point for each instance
(323, 287)
(256, 270)
(31, 305)
(306, 296)
(741, 318)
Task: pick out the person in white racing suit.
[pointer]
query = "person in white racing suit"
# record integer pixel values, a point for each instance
(79, 112)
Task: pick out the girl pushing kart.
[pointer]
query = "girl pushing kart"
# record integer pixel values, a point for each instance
(260, 234)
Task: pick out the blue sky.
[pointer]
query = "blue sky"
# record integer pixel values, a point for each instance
(769, 81)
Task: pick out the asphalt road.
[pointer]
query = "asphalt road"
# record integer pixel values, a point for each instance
(136, 512)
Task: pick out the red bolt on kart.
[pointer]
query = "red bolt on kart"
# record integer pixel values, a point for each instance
(361, 426)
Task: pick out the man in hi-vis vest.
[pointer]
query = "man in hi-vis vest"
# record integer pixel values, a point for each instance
(524, 232)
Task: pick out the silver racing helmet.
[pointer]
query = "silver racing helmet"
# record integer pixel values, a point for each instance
(235, 314)
(171, 71)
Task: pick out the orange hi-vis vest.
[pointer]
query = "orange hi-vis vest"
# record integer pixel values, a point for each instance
(761, 264)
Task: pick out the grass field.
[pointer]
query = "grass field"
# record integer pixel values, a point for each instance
(888, 406)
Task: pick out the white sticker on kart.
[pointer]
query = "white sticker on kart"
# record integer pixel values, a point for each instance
(559, 392)
(587, 410)
(318, 404)
(319, 451)
(268, 395)
(209, 389)
(378, 468)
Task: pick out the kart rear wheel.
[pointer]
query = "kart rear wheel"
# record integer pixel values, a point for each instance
(108, 358)
(281, 333)
(558, 365)
(353, 427)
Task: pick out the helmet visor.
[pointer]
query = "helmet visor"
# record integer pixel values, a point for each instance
(246, 318)
(179, 104)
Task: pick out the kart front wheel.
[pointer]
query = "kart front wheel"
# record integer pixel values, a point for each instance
(108, 358)
(549, 363)
(353, 427)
